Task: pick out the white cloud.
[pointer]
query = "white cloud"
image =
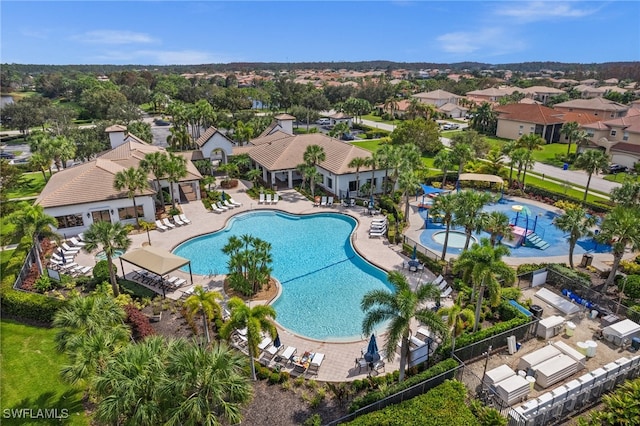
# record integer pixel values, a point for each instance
(31, 33)
(542, 10)
(487, 41)
(114, 37)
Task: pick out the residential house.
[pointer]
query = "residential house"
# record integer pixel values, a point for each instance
(337, 118)
(600, 107)
(587, 91)
(437, 97)
(492, 94)
(516, 120)
(541, 93)
(83, 194)
(215, 146)
(619, 137)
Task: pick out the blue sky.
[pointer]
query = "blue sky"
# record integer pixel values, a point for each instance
(186, 32)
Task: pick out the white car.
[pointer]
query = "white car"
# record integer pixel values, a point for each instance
(323, 121)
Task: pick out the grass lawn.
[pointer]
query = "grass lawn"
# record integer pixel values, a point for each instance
(378, 119)
(30, 376)
(561, 188)
(370, 145)
(7, 232)
(5, 255)
(621, 177)
(548, 154)
(32, 184)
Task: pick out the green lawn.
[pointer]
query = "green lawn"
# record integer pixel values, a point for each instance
(32, 184)
(370, 145)
(30, 376)
(621, 177)
(378, 119)
(5, 255)
(548, 154)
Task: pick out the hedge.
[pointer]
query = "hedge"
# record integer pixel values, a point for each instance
(21, 304)
(443, 405)
(370, 398)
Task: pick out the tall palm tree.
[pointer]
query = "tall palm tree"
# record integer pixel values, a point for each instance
(530, 142)
(314, 155)
(445, 206)
(111, 237)
(409, 182)
(458, 319)
(206, 303)
(507, 149)
(209, 383)
(357, 163)
(497, 225)
(578, 224)
(132, 180)
(385, 155)
(399, 308)
(591, 161)
(155, 163)
(482, 265)
(620, 228)
(469, 204)
(254, 175)
(570, 129)
(372, 162)
(461, 153)
(484, 120)
(444, 161)
(39, 162)
(31, 220)
(175, 169)
(256, 320)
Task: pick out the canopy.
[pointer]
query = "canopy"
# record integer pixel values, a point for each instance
(481, 177)
(155, 260)
(432, 190)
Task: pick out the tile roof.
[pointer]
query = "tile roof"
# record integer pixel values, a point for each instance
(626, 147)
(530, 113)
(115, 128)
(208, 134)
(436, 94)
(593, 103)
(281, 151)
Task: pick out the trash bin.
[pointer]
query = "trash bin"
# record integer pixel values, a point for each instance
(569, 328)
(537, 311)
(586, 260)
(565, 166)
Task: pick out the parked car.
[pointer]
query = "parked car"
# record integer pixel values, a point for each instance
(7, 156)
(347, 136)
(617, 168)
(450, 126)
(323, 122)
(160, 122)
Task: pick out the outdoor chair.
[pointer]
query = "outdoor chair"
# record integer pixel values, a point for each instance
(267, 199)
(276, 198)
(228, 204)
(361, 363)
(216, 209)
(221, 207)
(286, 355)
(323, 201)
(76, 242)
(446, 292)
(234, 202)
(330, 201)
(177, 221)
(168, 223)
(314, 365)
(67, 248)
(160, 226)
(261, 199)
(184, 219)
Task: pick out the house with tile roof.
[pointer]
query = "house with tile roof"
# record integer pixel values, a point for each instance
(619, 137)
(516, 120)
(600, 107)
(83, 194)
(437, 97)
(279, 153)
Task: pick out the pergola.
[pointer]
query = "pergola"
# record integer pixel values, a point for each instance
(155, 260)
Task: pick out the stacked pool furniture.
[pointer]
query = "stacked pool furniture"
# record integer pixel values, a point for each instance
(555, 405)
(508, 385)
(552, 363)
(621, 332)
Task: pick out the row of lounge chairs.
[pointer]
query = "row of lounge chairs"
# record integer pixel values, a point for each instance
(324, 201)
(268, 199)
(164, 283)
(166, 224)
(443, 286)
(350, 203)
(378, 228)
(223, 206)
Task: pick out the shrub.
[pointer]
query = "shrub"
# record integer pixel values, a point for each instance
(511, 293)
(568, 274)
(630, 267)
(526, 268)
(101, 271)
(631, 286)
(314, 420)
(140, 325)
(274, 378)
(43, 284)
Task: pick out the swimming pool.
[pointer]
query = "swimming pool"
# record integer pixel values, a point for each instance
(323, 278)
(116, 253)
(535, 217)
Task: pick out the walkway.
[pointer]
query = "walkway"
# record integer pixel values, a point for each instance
(339, 363)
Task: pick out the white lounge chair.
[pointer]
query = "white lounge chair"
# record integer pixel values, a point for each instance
(168, 223)
(76, 242)
(67, 248)
(330, 201)
(177, 221)
(265, 342)
(160, 226)
(446, 292)
(378, 233)
(267, 199)
(82, 270)
(271, 351)
(323, 201)
(287, 354)
(216, 209)
(261, 199)
(443, 285)
(228, 204)
(221, 207)
(315, 364)
(178, 283)
(81, 236)
(276, 198)
(184, 219)
(438, 280)
(234, 202)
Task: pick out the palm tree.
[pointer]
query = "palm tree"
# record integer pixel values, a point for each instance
(132, 180)
(445, 206)
(484, 120)
(254, 175)
(469, 204)
(39, 162)
(482, 265)
(372, 162)
(461, 153)
(209, 383)
(409, 182)
(530, 142)
(458, 319)
(591, 161)
(256, 320)
(507, 149)
(156, 163)
(497, 225)
(356, 163)
(31, 220)
(206, 303)
(175, 169)
(570, 130)
(621, 229)
(399, 308)
(444, 161)
(386, 156)
(314, 154)
(111, 237)
(578, 224)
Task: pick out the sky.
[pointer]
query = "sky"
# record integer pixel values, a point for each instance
(188, 32)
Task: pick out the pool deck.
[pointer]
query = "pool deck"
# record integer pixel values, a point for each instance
(339, 363)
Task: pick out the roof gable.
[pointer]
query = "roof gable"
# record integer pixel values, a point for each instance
(530, 113)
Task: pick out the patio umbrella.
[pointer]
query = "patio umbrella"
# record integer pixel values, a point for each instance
(415, 252)
(62, 255)
(371, 202)
(223, 196)
(372, 354)
(276, 342)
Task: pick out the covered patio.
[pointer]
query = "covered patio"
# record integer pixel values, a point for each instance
(156, 265)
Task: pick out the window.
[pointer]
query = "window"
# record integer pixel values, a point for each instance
(591, 133)
(353, 185)
(329, 183)
(101, 216)
(625, 136)
(375, 182)
(520, 130)
(128, 212)
(613, 133)
(70, 221)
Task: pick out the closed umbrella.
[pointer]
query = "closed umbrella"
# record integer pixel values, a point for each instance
(62, 255)
(372, 354)
(276, 342)
(223, 196)
(415, 252)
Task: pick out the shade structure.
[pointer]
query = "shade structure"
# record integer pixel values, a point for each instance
(432, 190)
(415, 252)
(372, 354)
(155, 260)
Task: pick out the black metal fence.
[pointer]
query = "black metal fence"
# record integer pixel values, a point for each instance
(401, 396)
(421, 249)
(29, 260)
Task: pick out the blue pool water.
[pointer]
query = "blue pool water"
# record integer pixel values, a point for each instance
(541, 218)
(323, 278)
